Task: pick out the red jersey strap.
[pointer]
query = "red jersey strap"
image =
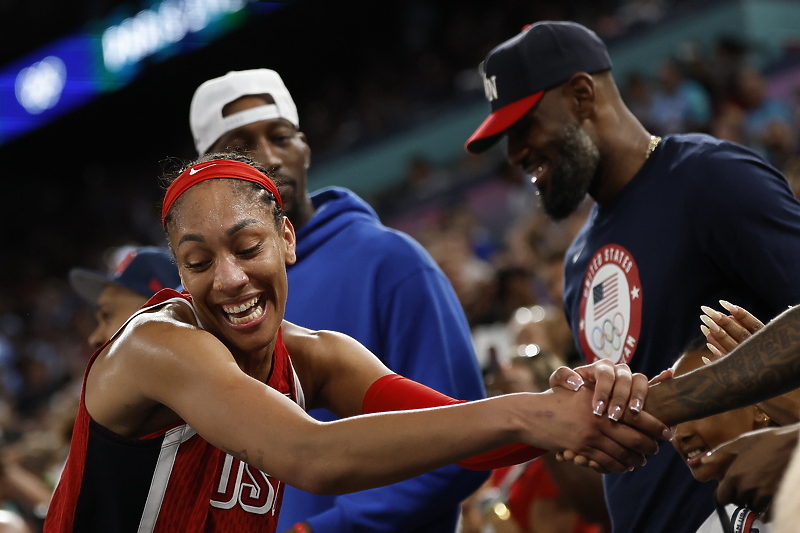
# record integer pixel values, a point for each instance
(166, 294)
(396, 393)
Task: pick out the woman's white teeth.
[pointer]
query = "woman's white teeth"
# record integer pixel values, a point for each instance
(256, 312)
(240, 308)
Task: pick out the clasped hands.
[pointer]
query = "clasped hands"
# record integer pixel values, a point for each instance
(752, 464)
(620, 435)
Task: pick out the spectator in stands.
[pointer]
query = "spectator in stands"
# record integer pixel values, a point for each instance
(679, 104)
(142, 272)
(628, 273)
(694, 439)
(753, 463)
(767, 121)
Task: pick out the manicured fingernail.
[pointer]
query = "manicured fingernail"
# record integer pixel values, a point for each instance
(729, 306)
(598, 407)
(713, 349)
(704, 330)
(713, 313)
(616, 413)
(706, 360)
(667, 434)
(710, 323)
(636, 407)
(575, 382)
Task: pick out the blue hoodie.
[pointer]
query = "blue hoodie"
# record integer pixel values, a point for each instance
(378, 285)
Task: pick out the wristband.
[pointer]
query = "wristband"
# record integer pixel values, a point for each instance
(396, 393)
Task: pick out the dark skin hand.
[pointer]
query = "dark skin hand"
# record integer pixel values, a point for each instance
(726, 332)
(765, 365)
(754, 465)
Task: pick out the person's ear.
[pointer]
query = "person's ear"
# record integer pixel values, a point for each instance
(581, 92)
(289, 242)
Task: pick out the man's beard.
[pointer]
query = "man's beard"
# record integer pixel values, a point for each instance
(573, 174)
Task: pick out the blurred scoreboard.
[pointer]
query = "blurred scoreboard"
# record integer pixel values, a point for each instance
(107, 55)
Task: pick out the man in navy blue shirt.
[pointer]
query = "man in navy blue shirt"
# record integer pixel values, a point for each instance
(678, 223)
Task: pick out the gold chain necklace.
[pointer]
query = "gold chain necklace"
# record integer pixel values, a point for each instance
(654, 140)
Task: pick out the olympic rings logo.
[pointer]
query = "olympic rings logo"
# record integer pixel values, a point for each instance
(607, 336)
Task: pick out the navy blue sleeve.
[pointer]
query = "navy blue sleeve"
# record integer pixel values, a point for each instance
(748, 220)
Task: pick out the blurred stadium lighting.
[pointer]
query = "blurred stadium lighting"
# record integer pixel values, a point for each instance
(107, 55)
(152, 30)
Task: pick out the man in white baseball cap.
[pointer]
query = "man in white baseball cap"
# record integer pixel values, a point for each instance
(251, 111)
(209, 124)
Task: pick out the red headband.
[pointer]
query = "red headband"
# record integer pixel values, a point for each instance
(220, 169)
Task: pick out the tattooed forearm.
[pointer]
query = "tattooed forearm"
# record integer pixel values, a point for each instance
(764, 366)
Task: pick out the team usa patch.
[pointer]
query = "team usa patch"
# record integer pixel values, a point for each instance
(611, 306)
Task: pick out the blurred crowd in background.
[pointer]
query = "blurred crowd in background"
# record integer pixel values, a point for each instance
(478, 218)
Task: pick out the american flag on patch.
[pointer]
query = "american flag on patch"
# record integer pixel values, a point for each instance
(605, 295)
